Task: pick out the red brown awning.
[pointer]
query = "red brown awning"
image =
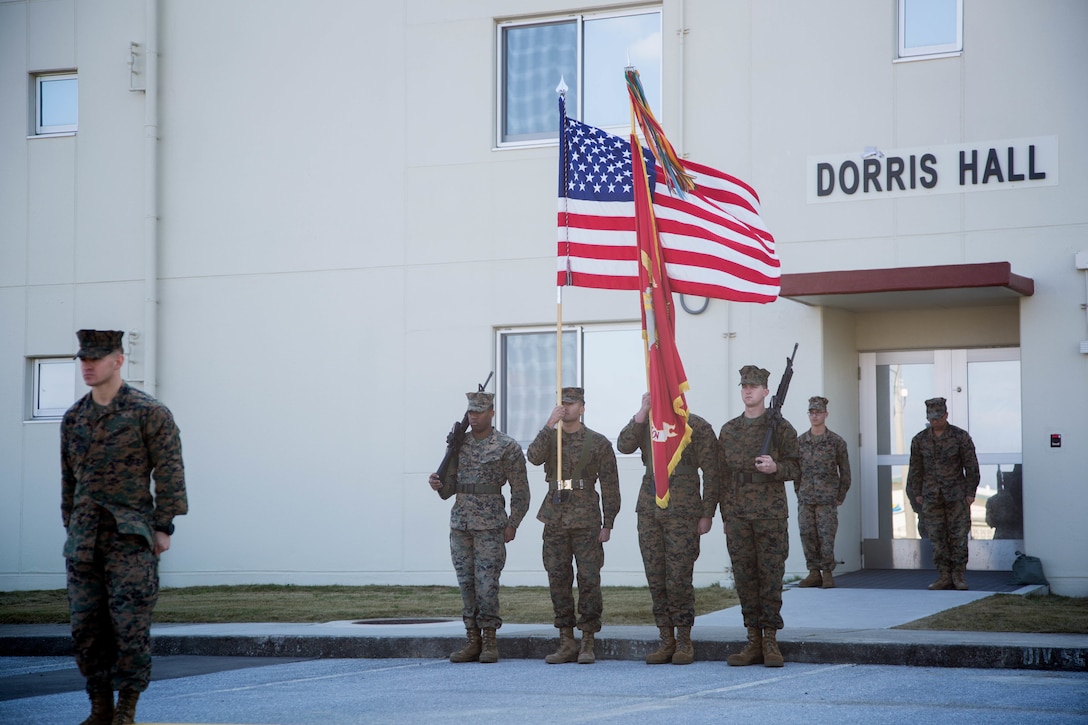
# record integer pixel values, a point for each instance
(950, 285)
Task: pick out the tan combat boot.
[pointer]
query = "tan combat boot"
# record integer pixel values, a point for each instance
(471, 651)
(125, 712)
(568, 648)
(958, 581)
(489, 648)
(685, 651)
(828, 580)
(586, 656)
(101, 707)
(752, 654)
(772, 656)
(663, 654)
(812, 580)
(944, 581)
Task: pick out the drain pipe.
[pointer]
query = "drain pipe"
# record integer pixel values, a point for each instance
(151, 196)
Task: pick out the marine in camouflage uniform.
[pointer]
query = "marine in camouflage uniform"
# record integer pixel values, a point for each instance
(113, 440)
(753, 503)
(573, 526)
(479, 525)
(668, 538)
(821, 489)
(943, 477)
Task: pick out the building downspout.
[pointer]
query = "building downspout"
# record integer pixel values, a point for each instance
(151, 197)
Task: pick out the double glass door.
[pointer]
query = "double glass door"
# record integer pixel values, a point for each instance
(982, 388)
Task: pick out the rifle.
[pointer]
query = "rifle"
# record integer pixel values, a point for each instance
(456, 437)
(774, 413)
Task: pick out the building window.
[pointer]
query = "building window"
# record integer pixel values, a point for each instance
(56, 103)
(607, 360)
(930, 28)
(54, 386)
(589, 53)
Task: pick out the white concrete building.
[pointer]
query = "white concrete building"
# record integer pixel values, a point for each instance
(321, 223)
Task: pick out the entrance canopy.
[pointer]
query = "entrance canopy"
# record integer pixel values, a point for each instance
(950, 285)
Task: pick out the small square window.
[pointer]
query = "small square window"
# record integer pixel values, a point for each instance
(930, 27)
(56, 103)
(589, 53)
(54, 386)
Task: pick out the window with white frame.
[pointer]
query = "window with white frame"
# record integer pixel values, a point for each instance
(607, 360)
(55, 385)
(589, 53)
(930, 28)
(56, 103)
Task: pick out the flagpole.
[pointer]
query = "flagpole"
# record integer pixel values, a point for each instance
(561, 89)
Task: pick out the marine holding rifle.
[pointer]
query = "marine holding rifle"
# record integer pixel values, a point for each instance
(758, 455)
(572, 517)
(480, 528)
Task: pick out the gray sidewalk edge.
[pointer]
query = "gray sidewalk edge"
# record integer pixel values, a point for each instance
(915, 648)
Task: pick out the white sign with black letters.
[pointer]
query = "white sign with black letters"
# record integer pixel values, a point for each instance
(895, 173)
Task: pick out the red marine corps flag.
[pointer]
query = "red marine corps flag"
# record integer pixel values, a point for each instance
(641, 219)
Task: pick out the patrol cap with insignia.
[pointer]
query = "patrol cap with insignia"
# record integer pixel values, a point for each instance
(935, 408)
(752, 375)
(818, 403)
(574, 395)
(480, 402)
(96, 344)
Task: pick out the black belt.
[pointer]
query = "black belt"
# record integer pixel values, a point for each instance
(752, 478)
(486, 488)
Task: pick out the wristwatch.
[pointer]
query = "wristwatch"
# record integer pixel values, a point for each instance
(168, 529)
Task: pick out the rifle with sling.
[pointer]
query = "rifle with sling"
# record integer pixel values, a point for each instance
(774, 412)
(456, 437)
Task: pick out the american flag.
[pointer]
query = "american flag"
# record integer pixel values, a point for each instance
(715, 243)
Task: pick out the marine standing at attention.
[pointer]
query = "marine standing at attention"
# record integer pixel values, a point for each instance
(821, 489)
(480, 528)
(575, 527)
(756, 515)
(942, 478)
(668, 538)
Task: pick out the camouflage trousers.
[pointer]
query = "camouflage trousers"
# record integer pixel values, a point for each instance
(670, 546)
(948, 523)
(818, 524)
(563, 547)
(110, 600)
(478, 559)
(758, 549)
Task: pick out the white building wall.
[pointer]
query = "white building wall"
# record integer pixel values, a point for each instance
(339, 240)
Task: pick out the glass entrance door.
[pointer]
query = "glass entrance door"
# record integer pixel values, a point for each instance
(982, 388)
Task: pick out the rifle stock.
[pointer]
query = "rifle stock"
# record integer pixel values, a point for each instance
(777, 401)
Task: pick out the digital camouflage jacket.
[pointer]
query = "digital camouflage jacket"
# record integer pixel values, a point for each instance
(582, 507)
(746, 493)
(108, 457)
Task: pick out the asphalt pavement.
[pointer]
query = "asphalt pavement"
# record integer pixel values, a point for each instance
(844, 663)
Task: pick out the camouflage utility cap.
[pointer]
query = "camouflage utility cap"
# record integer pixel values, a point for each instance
(935, 408)
(96, 344)
(574, 395)
(752, 375)
(480, 402)
(818, 403)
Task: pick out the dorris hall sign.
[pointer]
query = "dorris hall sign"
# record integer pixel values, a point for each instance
(894, 173)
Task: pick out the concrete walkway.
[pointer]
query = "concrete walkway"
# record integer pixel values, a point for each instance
(848, 626)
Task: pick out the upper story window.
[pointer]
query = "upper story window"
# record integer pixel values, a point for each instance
(930, 28)
(589, 53)
(56, 103)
